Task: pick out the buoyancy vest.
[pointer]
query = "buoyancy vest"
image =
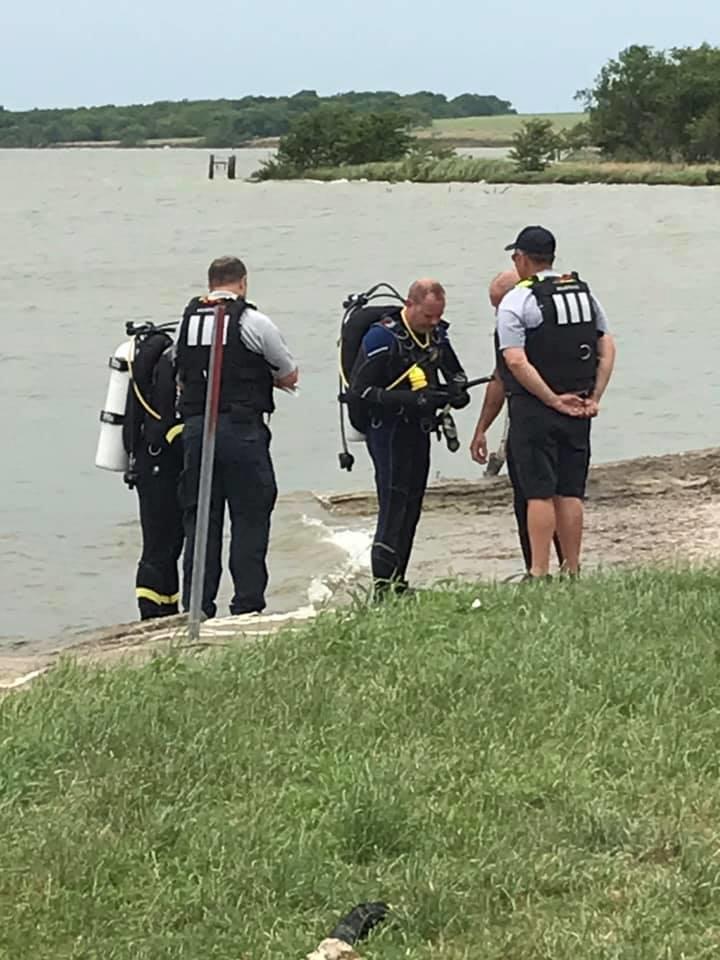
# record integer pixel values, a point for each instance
(408, 351)
(408, 360)
(247, 380)
(151, 416)
(563, 349)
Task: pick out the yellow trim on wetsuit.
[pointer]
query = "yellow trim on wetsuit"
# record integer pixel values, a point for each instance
(144, 593)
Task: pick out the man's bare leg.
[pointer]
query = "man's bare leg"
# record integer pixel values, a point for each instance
(541, 526)
(569, 519)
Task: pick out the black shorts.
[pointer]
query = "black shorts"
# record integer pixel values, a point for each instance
(551, 451)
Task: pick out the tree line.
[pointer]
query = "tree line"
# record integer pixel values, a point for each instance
(226, 123)
(659, 105)
(645, 105)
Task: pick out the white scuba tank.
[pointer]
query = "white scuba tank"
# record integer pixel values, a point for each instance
(352, 435)
(111, 453)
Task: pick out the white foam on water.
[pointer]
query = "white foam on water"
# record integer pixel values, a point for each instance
(355, 544)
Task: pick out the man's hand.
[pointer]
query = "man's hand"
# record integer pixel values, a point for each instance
(288, 382)
(478, 447)
(568, 404)
(592, 408)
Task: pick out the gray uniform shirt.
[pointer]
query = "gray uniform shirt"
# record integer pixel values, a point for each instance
(259, 334)
(519, 312)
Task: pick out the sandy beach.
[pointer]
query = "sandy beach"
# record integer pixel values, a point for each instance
(646, 511)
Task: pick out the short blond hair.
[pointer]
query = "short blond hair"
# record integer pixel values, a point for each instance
(425, 288)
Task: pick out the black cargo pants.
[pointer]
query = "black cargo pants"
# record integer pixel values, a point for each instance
(244, 479)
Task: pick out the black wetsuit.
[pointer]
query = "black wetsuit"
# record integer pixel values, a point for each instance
(153, 439)
(397, 422)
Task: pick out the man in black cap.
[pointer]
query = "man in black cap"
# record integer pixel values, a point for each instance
(555, 357)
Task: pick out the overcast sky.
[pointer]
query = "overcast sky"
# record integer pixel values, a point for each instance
(82, 52)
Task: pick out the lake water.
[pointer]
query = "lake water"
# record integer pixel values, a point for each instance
(92, 238)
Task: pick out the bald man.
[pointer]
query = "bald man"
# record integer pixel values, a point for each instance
(492, 405)
(405, 371)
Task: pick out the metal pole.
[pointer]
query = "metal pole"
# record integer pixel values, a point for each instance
(207, 459)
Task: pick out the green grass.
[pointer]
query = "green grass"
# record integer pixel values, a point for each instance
(536, 778)
(459, 169)
(494, 131)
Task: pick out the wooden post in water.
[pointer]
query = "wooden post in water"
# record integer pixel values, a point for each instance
(230, 164)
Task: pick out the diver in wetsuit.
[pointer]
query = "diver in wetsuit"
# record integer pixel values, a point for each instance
(405, 372)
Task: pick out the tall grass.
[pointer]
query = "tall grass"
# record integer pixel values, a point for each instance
(533, 776)
(460, 169)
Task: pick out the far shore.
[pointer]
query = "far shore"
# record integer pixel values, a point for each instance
(467, 169)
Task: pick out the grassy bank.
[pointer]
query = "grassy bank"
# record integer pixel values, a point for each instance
(494, 131)
(474, 170)
(533, 778)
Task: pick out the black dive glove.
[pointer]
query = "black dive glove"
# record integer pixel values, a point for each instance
(459, 400)
(427, 400)
(457, 392)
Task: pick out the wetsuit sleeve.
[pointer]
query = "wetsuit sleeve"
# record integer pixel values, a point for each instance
(449, 363)
(373, 367)
(165, 393)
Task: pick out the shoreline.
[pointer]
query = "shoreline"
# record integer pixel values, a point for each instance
(465, 169)
(683, 526)
(458, 168)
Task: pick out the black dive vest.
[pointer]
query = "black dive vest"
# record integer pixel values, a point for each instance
(563, 349)
(437, 357)
(408, 352)
(247, 383)
(150, 412)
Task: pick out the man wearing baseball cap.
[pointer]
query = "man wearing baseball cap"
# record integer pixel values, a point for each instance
(555, 357)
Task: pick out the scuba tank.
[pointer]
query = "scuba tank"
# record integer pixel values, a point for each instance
(356, 321)
(127, 414)
(111, 453)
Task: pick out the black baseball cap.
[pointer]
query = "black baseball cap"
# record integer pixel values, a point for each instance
(534, 240)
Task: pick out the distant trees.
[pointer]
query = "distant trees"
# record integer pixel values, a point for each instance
(225, 123)
(657, 105)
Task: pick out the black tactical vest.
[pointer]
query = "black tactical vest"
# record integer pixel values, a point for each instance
(563, 349)
(247, 383)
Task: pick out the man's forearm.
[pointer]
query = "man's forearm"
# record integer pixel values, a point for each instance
(492, 404)
(527, 376)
